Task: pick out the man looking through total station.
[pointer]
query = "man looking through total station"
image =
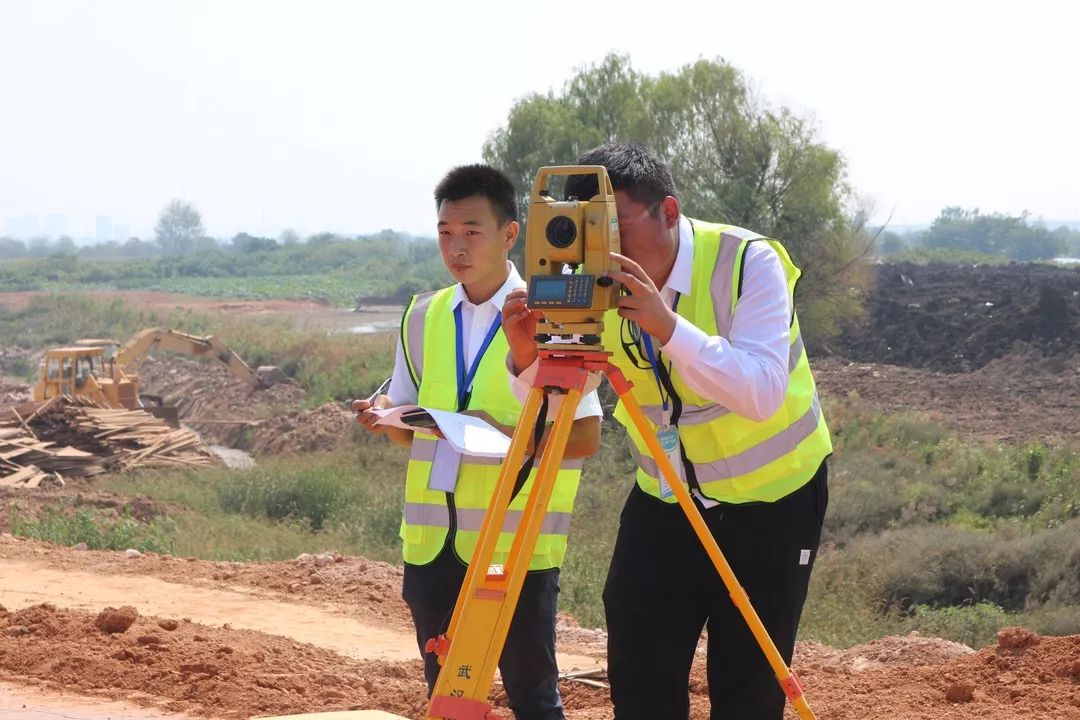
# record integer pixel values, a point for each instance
(709, 337)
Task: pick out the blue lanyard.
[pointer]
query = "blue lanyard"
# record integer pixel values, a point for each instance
(465, 378)
(647, 341)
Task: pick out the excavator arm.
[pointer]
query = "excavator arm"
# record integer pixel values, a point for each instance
(143, 343)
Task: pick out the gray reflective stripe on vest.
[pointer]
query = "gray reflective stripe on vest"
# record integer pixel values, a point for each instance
(700, 414)
(426, 514)
(748, 460)
(795, 353)
(720, 288)
(555, 523)
(691, 414)
(423, 449)
(415, 331)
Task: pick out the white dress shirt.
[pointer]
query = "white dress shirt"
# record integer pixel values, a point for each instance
(476, 320)
(745, 372)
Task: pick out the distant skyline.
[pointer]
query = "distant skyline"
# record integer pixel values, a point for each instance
(107, 230)
(342, 116)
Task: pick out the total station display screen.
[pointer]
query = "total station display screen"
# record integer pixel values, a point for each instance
(549, 289)
(561, 292)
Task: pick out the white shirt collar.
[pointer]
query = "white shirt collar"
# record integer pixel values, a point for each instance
(682, 271)
(513, 282)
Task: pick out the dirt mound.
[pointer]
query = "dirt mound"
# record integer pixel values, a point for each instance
(223, 408)
(312, 430)
(958, 318)
(202, 670)
(1020, 396)
(910, 651)
(1038, 680)
(12, 393)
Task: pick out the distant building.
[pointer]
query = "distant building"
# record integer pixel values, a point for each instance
(24, 228)
(104, 228)
(55, 225)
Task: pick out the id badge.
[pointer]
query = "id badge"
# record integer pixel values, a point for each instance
(444, 467)
(669, 443)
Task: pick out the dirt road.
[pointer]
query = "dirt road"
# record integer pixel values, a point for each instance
(26, 702)
(231, 640)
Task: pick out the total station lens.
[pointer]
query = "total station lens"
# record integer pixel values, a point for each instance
(561, 232)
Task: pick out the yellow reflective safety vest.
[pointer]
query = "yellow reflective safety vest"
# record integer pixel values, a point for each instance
(732, 458)
(428, 340)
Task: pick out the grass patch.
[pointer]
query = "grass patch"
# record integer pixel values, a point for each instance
(97, 533)
(349, 500)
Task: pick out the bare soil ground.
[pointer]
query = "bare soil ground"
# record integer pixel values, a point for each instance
(1023, 396)
(224, 640)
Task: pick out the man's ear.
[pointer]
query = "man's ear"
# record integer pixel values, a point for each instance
(511, 231)
(669, 209)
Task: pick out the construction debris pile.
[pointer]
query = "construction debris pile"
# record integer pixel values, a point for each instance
(63, 438)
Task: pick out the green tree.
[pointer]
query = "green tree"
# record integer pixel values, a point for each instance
(38, 246)
(12, 247)
(245, 243)
(178, 228)
(891, 243)
(65, 246)
(996, 234)
(734, 159)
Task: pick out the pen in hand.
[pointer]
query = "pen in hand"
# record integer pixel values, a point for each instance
(359, 406)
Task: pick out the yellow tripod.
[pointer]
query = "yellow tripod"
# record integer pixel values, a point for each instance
(470, 650)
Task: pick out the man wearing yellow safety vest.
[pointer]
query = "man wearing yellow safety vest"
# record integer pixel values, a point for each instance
(710, 339)
(452, 357)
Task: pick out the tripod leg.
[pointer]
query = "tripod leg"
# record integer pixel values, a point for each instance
(787, 679)
(488, 599)
(532, 519)
(500, 500)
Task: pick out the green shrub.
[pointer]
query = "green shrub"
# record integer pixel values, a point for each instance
(96, 532)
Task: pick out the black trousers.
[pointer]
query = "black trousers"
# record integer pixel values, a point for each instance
(662, 589)
(529, 672)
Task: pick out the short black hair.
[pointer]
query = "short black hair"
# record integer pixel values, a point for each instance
(466, 181)
(633, 168)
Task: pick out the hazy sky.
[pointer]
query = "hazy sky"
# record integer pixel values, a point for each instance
(343, 115)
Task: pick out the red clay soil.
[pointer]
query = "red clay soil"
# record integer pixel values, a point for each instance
(223, 672)
(216, 672)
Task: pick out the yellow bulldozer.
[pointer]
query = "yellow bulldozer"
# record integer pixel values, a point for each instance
(106, 371)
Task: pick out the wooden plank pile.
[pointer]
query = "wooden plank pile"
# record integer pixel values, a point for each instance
(63, 438)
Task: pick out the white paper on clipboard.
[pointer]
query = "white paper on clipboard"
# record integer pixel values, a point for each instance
(467, 434)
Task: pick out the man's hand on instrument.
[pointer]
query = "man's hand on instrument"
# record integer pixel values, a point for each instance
(519, 327)
(644, 306)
